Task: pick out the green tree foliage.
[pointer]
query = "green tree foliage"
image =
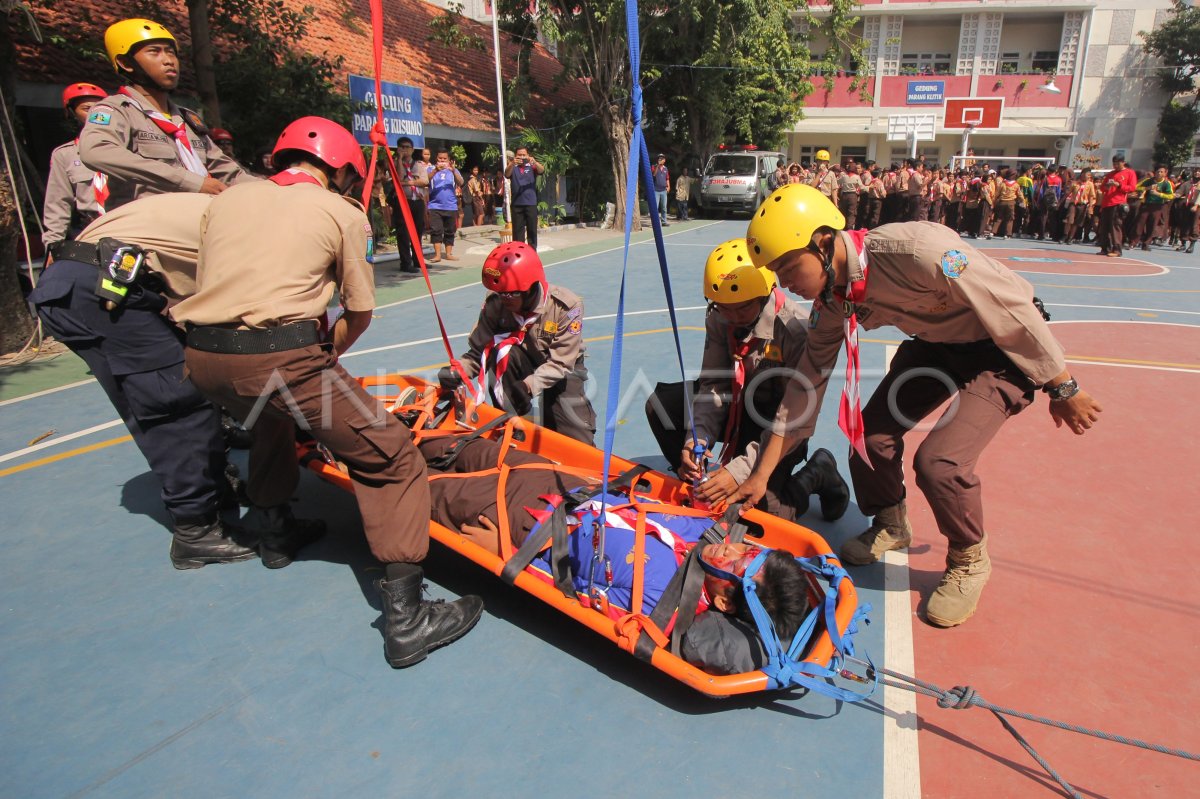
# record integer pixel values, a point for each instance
(264, 80)
(1177, 43)
(447, 29)
(1177, 128)
(740, 70)
(712, 67)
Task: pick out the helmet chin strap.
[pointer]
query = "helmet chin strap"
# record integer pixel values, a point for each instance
(826, 296)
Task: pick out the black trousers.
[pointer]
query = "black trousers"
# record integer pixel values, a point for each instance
(524, 224)
(407, 246)
(666, 411)
(137, 357)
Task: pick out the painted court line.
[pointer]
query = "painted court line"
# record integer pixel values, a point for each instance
(54, 442)
(46, 392)
(901, 756)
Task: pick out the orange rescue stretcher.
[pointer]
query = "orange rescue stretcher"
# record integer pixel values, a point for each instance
(625, 632)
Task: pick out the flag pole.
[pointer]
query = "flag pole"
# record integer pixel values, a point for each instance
(500, 107)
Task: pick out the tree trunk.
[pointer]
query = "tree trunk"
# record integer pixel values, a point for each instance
(619, 133)
(202, 62)
(16, 325)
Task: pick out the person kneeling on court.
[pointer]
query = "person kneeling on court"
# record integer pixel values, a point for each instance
(464, 494)
(754, 340)
(528, 342)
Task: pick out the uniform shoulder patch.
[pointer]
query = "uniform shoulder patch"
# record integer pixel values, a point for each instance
(100, 116)
(550, 326)
(575, 326)
(954, 263)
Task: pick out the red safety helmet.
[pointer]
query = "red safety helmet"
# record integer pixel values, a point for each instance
(78, 91)
(514, 266)
(323, 138)
(220, 134)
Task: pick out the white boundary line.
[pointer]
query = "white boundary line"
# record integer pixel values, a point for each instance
(60, 440)
(901, 750)
(548, 266)
(46, 392)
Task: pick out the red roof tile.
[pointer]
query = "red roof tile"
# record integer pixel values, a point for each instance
(458, 86)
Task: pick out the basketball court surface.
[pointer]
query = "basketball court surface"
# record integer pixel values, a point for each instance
(125, 678)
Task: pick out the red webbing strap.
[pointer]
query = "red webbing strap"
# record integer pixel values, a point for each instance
(378, 139)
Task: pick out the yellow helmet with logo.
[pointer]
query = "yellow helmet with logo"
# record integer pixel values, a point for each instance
(123, 36)
(731, 277)
(787, 220)
(822, 155)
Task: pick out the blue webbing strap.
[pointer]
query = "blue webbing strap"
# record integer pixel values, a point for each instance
(639, 159)
(783, 670)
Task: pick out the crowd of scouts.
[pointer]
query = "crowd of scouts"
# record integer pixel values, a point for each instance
(1115, 209)
(154, 295)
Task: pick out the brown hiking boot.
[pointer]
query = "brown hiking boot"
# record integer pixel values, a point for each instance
(955, 598)
(889, 530)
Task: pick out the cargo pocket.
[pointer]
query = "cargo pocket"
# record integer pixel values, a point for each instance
(161, 394)
(377, 440)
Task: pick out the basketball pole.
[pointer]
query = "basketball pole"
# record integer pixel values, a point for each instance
(966, 138)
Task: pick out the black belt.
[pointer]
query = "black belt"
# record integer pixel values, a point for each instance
(258, 341)
(79, 251)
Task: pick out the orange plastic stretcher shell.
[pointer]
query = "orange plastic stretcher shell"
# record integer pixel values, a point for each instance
(777, 533)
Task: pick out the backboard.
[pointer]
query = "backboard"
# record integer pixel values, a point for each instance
(902, 126)
(977, 113)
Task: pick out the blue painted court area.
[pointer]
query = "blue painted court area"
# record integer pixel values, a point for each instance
(125, 678)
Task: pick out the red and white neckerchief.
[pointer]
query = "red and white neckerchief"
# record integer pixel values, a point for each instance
(187, 156)
(501, 345)
(99, 186)
(738, 350)
(850, 410)
(292, 176)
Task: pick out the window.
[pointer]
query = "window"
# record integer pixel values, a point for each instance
(925, 64)
(1030, 153)
(858, 154)
(1010, 63)
(1196, 150)
(932, 154)
(1045, 61)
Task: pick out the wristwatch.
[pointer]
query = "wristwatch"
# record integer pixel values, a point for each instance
(1063, 391)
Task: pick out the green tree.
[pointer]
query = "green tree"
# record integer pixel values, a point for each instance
(1177, 43)
(719, 66)
(741, 69)
(16, 325)
(264, 80)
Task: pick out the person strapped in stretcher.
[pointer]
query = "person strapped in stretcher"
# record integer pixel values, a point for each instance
(465, 495)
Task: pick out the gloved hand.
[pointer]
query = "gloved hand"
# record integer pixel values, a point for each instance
(518, 396)
(449, 379)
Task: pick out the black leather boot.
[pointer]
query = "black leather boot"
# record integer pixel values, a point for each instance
(199, 542)
(820, 476)
(280, 534)
(412, 625)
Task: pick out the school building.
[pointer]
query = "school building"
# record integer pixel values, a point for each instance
(1068, 72)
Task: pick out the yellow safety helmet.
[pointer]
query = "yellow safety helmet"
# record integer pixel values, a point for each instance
(787, 220)
(731, 277)
(822, 155)
(122, 37)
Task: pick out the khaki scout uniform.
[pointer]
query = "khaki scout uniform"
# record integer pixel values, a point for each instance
(776, 347)
(549, 361)
(167, 226)
(253, 334)
(972, 321)
(68, 191)
(135, 353)
(139, 159)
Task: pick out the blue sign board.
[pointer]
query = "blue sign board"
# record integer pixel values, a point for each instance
(925, 92)
(402, 111)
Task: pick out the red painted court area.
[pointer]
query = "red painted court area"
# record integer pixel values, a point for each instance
(1091, 615)
(1072, 262)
